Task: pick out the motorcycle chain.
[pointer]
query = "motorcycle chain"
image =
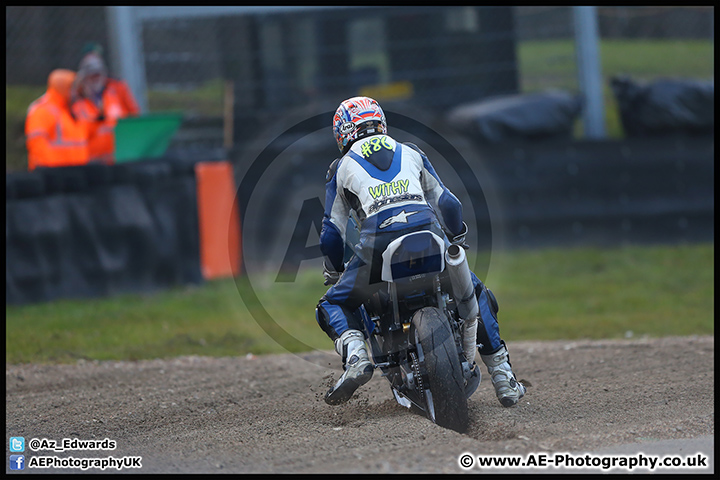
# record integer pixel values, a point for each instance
(415, 364)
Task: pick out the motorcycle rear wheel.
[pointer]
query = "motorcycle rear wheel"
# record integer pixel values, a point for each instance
(444, 371)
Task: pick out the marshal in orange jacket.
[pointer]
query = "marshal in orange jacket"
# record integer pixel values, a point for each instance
(116, 102)
(53, 137)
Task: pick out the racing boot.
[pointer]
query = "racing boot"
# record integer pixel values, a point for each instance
(356, 363)
(507, 388)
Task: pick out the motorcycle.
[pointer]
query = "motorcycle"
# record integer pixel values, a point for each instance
(421, 328)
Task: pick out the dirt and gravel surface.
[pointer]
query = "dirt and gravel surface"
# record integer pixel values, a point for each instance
(266, 413)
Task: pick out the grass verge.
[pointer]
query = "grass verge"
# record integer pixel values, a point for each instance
(543, 294)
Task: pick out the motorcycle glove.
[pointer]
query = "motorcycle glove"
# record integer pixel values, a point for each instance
(330, 275)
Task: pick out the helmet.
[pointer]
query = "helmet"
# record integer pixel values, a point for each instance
(355, 118)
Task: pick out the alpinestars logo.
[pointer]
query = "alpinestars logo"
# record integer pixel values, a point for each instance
(399, 218)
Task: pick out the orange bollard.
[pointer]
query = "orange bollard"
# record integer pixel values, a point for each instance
(218, 219)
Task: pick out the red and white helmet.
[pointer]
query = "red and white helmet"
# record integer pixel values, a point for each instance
(355, 118)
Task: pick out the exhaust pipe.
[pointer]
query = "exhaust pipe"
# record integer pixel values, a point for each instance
(464, 293)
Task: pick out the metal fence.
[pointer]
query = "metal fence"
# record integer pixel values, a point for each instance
(379, 44)
(269, 58)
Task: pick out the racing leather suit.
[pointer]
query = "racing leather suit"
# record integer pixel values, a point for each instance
(394, 190)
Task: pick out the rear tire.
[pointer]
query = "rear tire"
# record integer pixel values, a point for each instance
(444, 371)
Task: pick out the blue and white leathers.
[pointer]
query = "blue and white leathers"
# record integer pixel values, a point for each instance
(394, 190)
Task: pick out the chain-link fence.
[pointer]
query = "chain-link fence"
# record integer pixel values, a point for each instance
(266, 60)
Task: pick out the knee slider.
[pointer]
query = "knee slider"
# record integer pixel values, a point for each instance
(323, 320)
(493, 301)
(479, 289)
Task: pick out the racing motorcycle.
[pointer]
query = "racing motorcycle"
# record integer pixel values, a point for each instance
(421, 327)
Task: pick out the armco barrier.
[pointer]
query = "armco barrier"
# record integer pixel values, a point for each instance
(78, 232)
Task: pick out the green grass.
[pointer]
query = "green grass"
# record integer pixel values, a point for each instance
(551, 63)
(209, 319)
(544, 294)
(604, 293)
(206, 100)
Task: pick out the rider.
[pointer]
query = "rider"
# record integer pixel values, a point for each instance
(394, 190)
